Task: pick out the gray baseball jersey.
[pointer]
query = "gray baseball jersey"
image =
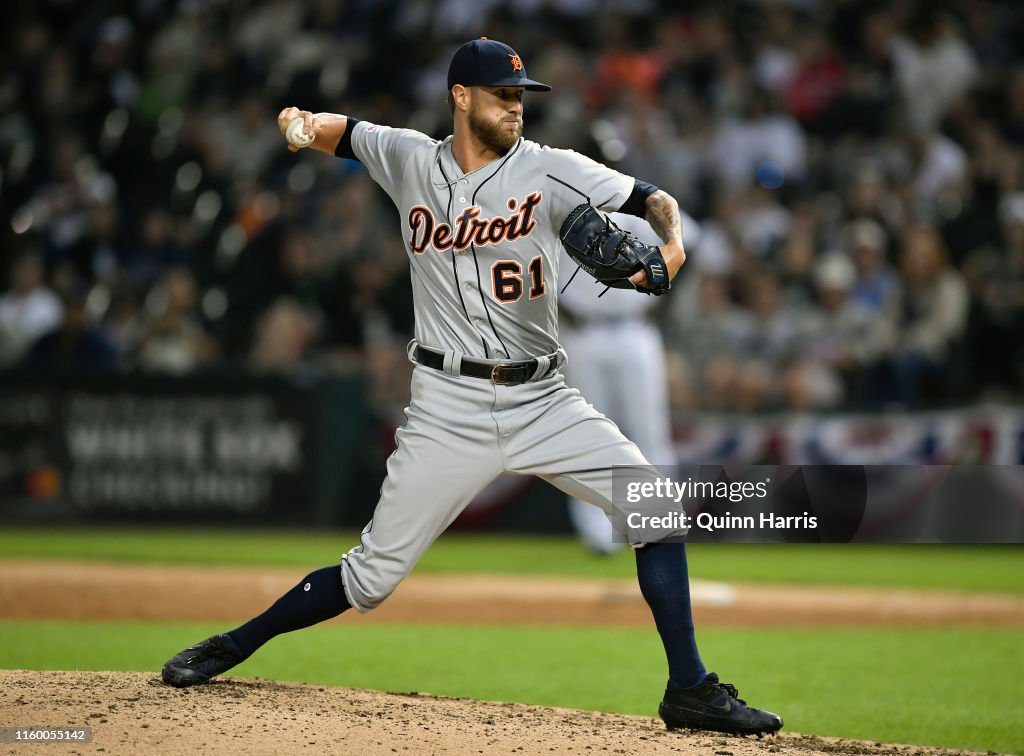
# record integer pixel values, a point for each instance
(484, 245)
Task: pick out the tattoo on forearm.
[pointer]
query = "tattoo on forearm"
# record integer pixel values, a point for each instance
(663, 215)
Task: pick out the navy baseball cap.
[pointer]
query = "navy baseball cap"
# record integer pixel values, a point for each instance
(489, 63)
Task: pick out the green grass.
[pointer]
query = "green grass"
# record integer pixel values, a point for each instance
(943, 687)
(962, 568)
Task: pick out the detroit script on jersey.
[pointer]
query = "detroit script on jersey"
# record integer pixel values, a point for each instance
(483, 246)
(470, 228)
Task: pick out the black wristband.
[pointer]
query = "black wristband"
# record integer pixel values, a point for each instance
(344, 148)
(636, 202)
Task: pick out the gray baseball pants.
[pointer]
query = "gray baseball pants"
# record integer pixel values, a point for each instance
(461, 433)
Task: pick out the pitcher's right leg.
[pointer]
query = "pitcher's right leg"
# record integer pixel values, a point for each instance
(444, 459)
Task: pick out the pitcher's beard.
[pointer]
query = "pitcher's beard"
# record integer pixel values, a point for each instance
(495, 135)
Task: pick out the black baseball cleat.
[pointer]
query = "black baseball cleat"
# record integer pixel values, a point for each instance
(197, 664)
(715, 706)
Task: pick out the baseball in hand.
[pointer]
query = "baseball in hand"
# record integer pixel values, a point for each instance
(296, 135)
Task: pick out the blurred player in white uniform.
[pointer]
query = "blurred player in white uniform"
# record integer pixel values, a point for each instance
(616, 354)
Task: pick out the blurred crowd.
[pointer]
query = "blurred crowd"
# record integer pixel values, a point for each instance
(856, 168)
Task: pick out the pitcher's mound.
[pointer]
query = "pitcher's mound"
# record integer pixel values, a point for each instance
(133, 712)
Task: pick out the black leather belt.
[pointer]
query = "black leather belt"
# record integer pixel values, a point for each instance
(502, 373)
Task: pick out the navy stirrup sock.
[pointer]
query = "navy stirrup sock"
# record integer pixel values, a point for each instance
(318, 597)
(665, 584)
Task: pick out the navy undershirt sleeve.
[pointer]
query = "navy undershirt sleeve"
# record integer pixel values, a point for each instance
(636, 202)
(344, 148)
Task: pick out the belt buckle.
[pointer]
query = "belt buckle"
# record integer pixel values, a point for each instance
(496, 376)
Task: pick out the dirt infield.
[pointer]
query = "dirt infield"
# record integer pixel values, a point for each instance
(135, 713)
(97, 591)
(132, 713)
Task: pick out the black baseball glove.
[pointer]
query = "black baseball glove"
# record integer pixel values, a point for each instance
(610, 254)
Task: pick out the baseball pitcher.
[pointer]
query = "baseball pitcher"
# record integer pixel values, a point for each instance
(484, 215)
